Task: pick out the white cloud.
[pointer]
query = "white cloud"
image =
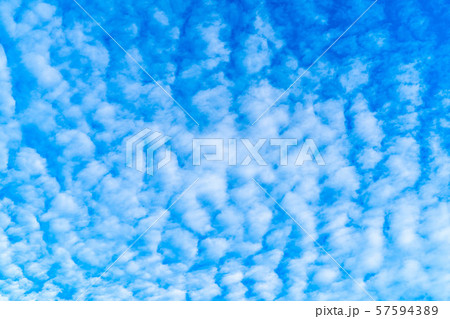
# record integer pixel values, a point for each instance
(356, 77)
(7, 103)
(258, 221)
(161, 17)
(215, 247)
(75, 143)
(258, 53)
(216, 49)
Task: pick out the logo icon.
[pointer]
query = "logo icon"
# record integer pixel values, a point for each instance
(141, 150)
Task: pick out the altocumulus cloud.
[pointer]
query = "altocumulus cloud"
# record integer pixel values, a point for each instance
(376, 105)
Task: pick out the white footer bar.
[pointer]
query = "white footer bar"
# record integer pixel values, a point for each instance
(224, 309)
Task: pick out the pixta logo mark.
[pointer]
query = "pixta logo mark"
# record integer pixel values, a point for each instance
(141, 151)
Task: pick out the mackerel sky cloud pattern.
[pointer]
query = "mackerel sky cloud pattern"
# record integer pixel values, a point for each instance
(376, 105)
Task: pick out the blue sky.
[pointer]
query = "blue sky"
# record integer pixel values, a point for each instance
(376, 105)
